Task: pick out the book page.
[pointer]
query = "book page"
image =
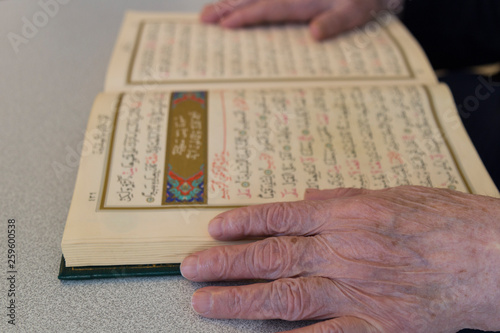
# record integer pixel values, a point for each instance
(453, 132)
(164, 50)
(249, 146)
(156, 167)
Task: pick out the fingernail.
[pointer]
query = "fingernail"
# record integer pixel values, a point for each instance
(189, 267)
(315, 31)
(207, 17)
(201, 302)
(229, 22)
(215, 227)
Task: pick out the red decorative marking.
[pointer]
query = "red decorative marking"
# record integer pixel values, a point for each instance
(292, 192)
(220, 165)
(224, 124)
(240, 103)
(269, 159)
(336, 168)
(220, 168)
(306, 138)
(308, 160)
(376, 168)
(185, 185)
(218, 185)
(409, 137)
(354, 167)
(152, 159)
(394, 157)
(437, 156)
(281, 118)
(323, 118)
(353, 164)
(245, 192)
(191, 97)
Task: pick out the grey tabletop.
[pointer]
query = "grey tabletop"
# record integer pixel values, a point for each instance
(50, 74)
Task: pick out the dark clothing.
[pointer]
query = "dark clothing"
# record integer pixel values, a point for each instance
(456, 33)
(480, 116)
(461, 33)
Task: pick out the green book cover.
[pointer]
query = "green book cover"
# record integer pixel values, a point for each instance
(103, 272)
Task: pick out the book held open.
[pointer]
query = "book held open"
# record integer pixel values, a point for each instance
(197, 119)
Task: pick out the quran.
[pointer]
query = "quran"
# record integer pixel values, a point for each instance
(196, 119)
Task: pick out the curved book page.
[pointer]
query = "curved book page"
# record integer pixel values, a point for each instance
(175, 50)
(157, 166)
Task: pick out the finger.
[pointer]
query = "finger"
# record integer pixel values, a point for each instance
(314, 194)
(288, 299)
(274, 11)
(284, 218)
(214, 12)
(338, 325)
(344, 16)
(271, 258)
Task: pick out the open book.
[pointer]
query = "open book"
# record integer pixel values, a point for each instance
(197, 119)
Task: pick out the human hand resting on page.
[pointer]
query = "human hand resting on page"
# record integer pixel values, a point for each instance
(404, 259)
(327, 17)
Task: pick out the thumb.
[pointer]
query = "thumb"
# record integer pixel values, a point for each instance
(344, 16)
(313, 194)
(338, 325)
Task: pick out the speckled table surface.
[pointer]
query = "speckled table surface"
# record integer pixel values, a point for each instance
(48, 81)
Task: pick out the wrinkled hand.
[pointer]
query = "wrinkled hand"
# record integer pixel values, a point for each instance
(327, 18)
(405, 259)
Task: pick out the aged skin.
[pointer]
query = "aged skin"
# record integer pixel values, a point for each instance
(404, 259)
(327, 18)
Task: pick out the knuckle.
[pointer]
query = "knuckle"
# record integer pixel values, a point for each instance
(365, 207)
(220, 267)
(234, 303)
(269, 258)
(348, 207)
(276, 218)
(330, 327)
(289, 218)
(289, 296)
(346, 324)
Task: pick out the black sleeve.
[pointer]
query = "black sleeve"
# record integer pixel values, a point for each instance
(456, 33)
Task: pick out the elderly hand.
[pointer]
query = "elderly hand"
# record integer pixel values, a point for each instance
(328, 17)
(405, 259)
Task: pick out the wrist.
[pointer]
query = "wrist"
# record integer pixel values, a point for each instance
(483, 292)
